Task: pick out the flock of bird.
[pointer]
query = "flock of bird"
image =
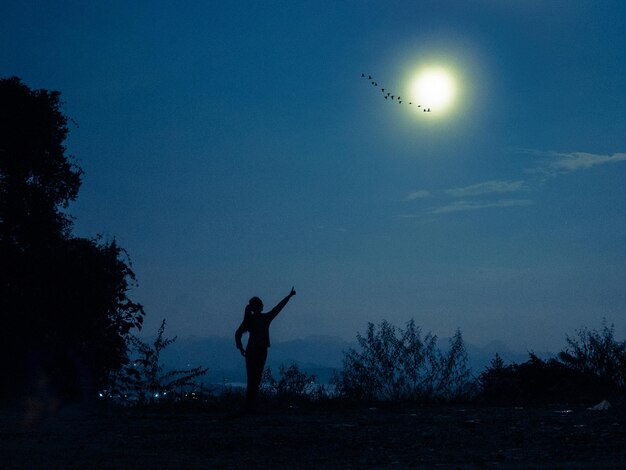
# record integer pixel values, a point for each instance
(387, 94)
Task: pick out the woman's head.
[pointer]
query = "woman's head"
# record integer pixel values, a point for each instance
(255, 304)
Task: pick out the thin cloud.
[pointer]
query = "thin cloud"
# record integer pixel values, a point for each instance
(464, 205)
(582, 161)
(421, 194)
(553, 165)
(565, 162)
(488, 187)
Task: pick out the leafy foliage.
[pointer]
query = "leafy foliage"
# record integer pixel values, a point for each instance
(592, 368)
(398, 364)
(598, 353)
(64, 300)
(454, 378)
(37, 179)
(495, 379)
(292, 382)
(538, 381)
(143, 380)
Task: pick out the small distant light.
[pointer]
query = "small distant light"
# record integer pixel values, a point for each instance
(101, 395)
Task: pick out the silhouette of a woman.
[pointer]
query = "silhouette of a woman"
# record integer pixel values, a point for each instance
(257, 324)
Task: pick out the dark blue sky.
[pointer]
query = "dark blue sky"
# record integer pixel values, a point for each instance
(233, 149)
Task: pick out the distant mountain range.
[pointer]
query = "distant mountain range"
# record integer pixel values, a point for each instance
(319, 355)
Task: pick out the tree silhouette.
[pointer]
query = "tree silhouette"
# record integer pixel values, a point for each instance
(63, 300)
(37, 179)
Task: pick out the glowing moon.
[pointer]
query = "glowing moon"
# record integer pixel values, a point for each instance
(433, 88)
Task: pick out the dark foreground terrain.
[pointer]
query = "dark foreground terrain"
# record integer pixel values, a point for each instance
(443, 436)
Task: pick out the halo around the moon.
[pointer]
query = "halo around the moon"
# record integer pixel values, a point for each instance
(433, 88)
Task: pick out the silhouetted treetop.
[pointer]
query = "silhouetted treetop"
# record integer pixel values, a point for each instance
(37, 179)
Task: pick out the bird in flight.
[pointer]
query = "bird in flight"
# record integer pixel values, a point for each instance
(374, 82)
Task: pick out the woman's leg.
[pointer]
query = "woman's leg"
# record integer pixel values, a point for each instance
(255, 363)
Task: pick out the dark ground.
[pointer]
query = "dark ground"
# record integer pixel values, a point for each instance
(442, 436)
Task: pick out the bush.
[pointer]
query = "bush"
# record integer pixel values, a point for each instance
(397, 364)
(537, 381)
(292, 383)
(143, 381)
(597, 353)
